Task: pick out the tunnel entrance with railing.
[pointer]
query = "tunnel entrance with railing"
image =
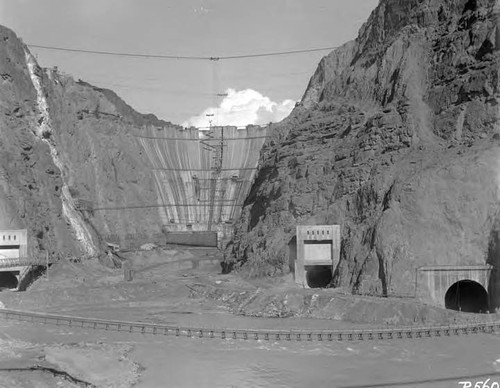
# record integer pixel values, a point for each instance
(467, 296)
(8, 281)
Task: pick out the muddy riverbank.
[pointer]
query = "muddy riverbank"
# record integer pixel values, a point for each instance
(185, 287)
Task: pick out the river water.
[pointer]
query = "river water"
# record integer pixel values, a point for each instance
(182, 362)
(194, 362)
(426, 363)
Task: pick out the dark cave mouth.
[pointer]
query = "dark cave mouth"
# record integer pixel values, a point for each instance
(318, 276)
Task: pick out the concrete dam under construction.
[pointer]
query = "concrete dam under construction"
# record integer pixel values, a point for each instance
(202, 176)
(354, 241)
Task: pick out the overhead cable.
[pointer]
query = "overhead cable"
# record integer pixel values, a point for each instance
(183, 57)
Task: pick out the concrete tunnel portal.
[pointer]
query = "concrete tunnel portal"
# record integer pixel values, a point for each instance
(467, 296)
(8, 280)
(314, 254)
(467, 288)
(318, 276)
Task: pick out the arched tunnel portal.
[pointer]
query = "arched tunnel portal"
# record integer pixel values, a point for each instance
(318, 276)
(8, 280)
(457, 287)
(467, 296)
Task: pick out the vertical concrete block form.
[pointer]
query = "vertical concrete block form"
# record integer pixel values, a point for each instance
(318, 248)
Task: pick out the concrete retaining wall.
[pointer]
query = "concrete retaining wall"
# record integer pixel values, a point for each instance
(197, 239)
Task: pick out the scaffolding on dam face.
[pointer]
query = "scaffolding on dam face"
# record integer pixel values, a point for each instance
(217, 159)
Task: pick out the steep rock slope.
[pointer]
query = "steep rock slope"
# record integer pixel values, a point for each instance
(103, 161)
(64, 142)
(397, 140)
(31, 184)
(79, 166)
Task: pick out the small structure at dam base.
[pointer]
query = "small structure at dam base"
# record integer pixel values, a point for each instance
(13, 257)
(315, 254)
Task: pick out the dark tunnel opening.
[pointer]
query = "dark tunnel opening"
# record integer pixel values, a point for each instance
(8, 280)
(467, 296)
(318, 276)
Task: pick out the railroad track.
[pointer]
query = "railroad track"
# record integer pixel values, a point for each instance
(259, 334)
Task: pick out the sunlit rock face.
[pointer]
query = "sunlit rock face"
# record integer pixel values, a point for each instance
(106, 170)
(397, 140)
(79, 166)
(30, 182)
(63, 141)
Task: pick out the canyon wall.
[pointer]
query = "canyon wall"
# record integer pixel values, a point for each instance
(79, 167)
(396, 139)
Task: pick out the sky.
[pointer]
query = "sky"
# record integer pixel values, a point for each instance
(237, 91)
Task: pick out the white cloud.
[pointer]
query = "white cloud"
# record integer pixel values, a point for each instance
(241, 108)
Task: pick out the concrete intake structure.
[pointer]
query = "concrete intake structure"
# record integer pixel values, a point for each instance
(315, 254)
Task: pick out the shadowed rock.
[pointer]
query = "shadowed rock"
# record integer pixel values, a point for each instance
(396, 140)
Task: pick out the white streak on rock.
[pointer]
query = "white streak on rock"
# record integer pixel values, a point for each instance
(44, 131)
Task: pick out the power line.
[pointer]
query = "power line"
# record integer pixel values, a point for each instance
(182, 57)
(272, 54)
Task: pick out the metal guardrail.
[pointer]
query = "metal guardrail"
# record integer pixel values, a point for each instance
(407, 332)
(25, 261)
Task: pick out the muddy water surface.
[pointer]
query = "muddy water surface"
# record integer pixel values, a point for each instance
(194, 362)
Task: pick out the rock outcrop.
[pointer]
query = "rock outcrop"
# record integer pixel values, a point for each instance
(67, 147)
(78, 166)
(397, 140)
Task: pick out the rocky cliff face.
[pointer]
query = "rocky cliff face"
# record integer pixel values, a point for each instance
(63, 142)
(397, 140)
(78, 166)
(29, 178)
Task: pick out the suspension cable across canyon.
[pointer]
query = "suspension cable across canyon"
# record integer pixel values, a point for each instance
(183, 57)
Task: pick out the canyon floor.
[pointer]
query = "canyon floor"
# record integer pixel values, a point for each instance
(184, 287)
